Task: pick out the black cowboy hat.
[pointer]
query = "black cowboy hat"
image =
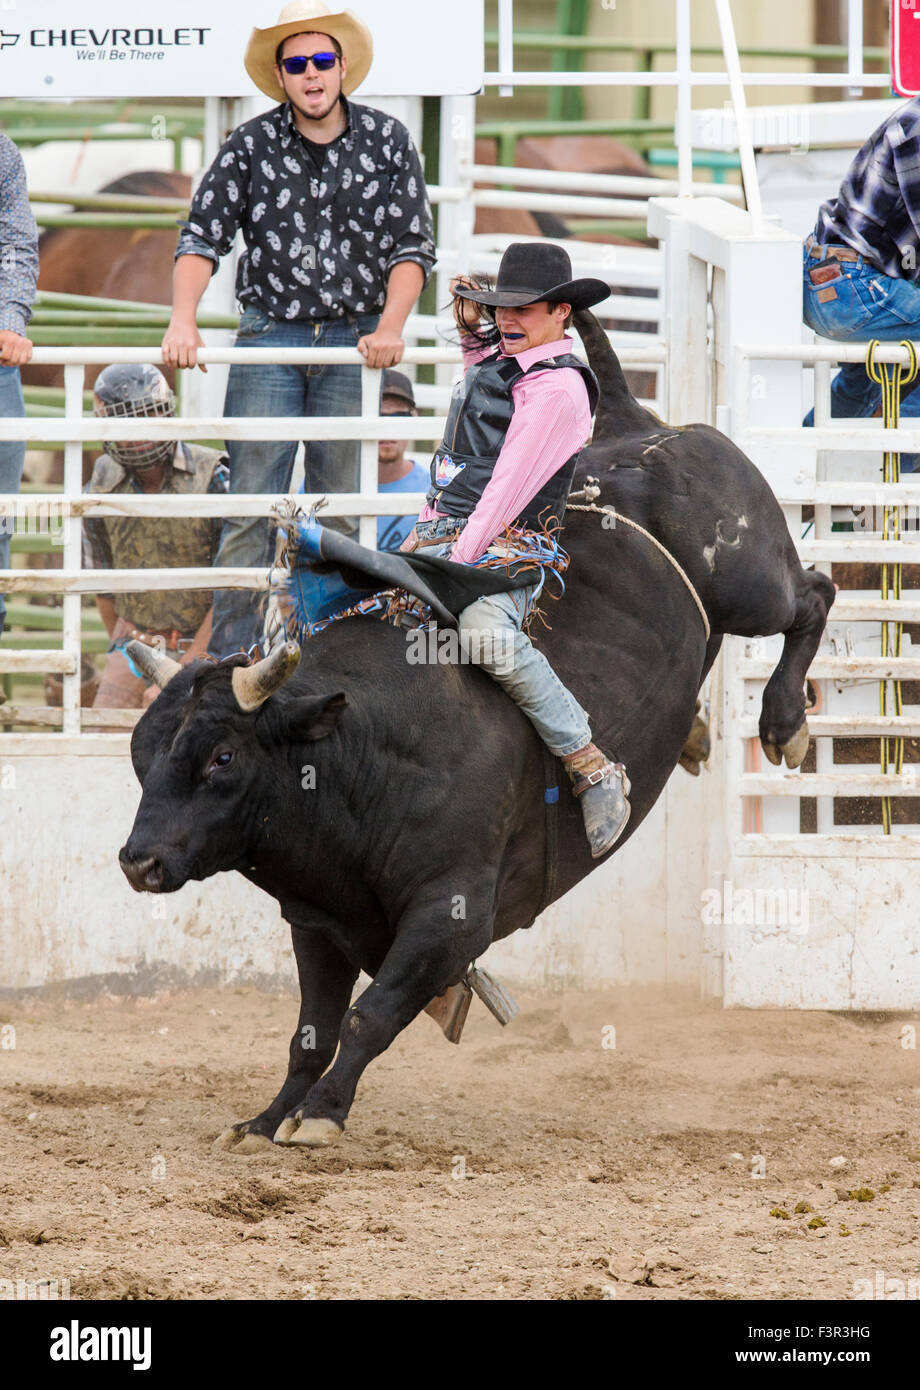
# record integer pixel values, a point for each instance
(531, 271)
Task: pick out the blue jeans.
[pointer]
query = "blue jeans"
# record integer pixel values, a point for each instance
(491, 630)
(331, 465)
(12, 458)
(866, 304)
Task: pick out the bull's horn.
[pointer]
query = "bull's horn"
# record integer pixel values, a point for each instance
(252, 685)
(155, 666)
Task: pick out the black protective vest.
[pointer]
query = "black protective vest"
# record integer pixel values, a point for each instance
(477, 422)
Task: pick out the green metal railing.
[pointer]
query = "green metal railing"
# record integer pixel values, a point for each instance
(717, 162)
(110, 210)
(113, 202)
(569, 50)
(641, 134)
(34, 123)
(74, 320)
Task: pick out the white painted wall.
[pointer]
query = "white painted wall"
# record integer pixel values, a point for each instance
(67, 912)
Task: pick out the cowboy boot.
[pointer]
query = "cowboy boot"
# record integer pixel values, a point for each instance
(602, 787)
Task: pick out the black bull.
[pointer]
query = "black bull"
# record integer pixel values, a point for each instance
(396, 811)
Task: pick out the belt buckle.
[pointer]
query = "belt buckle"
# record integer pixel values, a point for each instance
(597, 776)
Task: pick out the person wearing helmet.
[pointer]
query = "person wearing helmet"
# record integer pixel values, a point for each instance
(177, 621)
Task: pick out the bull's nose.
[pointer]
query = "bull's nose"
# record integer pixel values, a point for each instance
(144, 875)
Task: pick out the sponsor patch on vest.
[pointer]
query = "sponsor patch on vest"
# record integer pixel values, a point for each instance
(446, 469)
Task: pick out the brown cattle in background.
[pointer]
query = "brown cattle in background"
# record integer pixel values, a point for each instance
(110, 262)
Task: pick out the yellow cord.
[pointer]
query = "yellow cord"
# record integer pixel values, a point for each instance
(891, 377)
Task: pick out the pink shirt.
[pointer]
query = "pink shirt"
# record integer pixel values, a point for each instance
(551, 420)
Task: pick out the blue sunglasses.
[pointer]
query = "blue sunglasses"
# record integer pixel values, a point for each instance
(321, 61)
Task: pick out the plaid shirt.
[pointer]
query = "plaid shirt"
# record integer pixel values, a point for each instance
(18, 242)
(877, 211)
(320, 243)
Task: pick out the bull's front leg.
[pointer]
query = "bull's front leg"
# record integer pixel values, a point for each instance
(432, 950)
(327, 979)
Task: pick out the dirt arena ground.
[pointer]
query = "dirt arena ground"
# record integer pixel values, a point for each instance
(625, 1172)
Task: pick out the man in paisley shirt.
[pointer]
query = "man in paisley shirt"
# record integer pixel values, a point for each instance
(331, 201)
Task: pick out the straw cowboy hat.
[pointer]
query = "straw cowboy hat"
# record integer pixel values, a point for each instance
(308, 17)
(531, 271)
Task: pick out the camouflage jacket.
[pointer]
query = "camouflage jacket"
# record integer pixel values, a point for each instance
(134, 542)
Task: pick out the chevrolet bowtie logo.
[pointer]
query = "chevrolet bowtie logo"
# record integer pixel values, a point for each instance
(8, 40)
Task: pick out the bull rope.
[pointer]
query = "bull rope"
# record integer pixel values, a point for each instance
(591, 491)
(891, 377)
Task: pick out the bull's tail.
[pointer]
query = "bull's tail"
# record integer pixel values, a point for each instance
(618, 411)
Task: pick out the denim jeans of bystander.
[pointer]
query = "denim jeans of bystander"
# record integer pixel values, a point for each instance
(12, 458)
(274, 391)
(858, 305)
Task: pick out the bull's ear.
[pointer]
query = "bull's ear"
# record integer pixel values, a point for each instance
(313, 716)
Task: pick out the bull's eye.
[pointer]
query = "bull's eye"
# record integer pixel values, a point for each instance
(222, 758)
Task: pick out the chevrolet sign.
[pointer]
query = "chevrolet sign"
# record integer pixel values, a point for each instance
(85, 48)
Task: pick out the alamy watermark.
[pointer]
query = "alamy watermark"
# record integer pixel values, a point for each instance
(29, 1290)
(771, 127)
(775, 909)
(446, 646)
(881, 1286)
(78, 1343)
(26, 516)
(872, 517)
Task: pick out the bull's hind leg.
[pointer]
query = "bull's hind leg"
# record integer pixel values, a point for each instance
(783, 729)
(437, 939)
(326, 982)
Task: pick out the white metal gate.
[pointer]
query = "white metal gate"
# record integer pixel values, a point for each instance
(815, 909)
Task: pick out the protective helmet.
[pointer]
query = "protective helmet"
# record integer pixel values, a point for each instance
(135, 390)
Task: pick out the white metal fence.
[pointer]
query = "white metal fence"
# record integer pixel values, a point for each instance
(67, 508)
(751, 384)
(845, 484)
(814, 836)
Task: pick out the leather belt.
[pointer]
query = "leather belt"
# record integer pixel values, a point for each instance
(837, 253)
(438, 540)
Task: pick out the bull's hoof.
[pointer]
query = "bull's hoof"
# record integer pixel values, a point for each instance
(311, 1133)
(698, 746)
(794, 751)
(237, 1139)
(773, 753)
